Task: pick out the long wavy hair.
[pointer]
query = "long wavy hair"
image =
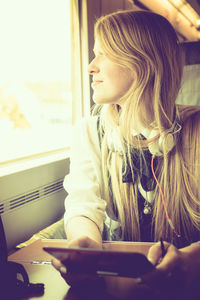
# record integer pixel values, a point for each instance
(147, 44)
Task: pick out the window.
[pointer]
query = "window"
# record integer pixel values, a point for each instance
(35, 77)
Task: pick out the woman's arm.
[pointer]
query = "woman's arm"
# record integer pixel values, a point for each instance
(80, 230)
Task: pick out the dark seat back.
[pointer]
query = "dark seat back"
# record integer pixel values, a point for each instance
(192, 52)
(189, 93)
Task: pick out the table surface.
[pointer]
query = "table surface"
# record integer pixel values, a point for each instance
(37, 263)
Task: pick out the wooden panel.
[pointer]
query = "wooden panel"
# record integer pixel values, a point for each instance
(94, 12)
(111, 6)
(128, 4)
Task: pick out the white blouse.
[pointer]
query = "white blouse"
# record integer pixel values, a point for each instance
(84, 183)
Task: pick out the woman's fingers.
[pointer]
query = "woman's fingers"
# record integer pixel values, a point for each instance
(169, 261)
(59, 266)
(155, 252)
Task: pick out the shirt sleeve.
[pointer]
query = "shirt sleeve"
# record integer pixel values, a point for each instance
(84, 182)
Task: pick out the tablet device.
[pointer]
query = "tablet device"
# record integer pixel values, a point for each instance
(102, 262)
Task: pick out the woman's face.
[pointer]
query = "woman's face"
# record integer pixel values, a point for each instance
(110, 81)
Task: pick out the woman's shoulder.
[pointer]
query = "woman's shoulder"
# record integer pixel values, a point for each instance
(86, 130)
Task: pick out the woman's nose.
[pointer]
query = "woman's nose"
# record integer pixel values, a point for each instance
(92, 68)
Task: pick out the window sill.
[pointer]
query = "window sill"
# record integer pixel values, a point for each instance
(33, 161)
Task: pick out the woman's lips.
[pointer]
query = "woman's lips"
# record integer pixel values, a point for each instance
(96, 83)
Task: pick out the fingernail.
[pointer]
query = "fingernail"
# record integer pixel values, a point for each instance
(150, 259)
(63, 270)
(138, 280)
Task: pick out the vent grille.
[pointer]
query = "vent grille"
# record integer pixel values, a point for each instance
(32, 196)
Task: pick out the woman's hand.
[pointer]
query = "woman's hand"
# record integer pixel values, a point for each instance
(181, 266)
(72, 278)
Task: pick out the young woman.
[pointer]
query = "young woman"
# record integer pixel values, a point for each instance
(135, 164)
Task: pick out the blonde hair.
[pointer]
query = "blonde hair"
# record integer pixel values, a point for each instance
(147, 44)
